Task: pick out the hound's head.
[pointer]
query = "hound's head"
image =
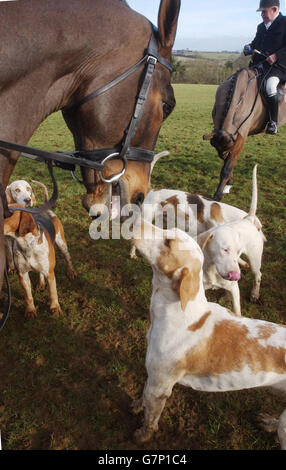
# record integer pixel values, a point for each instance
(20, 192)
(222, 246)
(175, 257)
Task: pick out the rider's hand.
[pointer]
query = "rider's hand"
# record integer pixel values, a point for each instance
(247, 50)
(271, 59)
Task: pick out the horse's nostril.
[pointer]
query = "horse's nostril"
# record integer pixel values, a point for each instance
(138, 199)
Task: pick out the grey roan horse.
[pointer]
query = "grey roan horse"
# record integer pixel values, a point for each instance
(54, 53)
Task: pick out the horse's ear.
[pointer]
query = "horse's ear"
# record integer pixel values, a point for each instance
(167, 21)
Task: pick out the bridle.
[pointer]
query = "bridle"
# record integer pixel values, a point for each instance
(93, 159)
(126, 152)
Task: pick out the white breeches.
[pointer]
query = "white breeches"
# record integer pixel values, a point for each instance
(271, 86)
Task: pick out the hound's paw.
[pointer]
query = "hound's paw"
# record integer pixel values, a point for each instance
(143, 435)
(137, 406)
(31, 312)
(56, 311)
(40, 286)
(71, 274)
(254, 297)
(267, 422)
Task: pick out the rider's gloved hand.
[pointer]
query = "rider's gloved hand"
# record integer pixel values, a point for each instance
(247, 50)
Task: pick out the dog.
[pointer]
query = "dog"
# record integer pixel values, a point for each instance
(224, 233)
(197, 343)
(20, 192)
(33, 250)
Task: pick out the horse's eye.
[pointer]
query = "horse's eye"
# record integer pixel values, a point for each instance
(167, 109)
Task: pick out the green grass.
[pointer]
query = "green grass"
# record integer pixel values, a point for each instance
(68, 383)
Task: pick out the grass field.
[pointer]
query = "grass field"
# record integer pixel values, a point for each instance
(68, 383)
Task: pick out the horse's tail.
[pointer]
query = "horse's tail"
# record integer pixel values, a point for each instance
(42, 185)
(253, 205)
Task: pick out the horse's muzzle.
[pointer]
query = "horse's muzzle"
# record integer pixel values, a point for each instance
(223, 142)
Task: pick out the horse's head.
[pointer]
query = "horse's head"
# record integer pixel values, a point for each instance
(103, 121)
(232, 112)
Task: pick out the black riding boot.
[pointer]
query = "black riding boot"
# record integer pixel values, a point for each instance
(273, 104)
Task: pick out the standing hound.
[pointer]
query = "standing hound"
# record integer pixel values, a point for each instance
(223, 231)
(33, 250)
(20, 192)
(197, 343)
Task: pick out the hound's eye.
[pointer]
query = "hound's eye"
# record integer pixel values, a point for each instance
(18, 190)
(28, 189)
(167, 109)
(226, 250)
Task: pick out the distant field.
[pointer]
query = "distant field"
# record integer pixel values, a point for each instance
(69, 383)
(220, 56)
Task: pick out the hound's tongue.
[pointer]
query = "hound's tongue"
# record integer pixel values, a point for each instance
(234, 276)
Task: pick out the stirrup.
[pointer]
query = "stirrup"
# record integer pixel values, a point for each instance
(271, 127)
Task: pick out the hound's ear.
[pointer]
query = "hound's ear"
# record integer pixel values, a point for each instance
(11, 224)
(167, 21)
(27, 225)
(157, 157)
(9, 197)
(33, 197)
(186, 283)
(204, 238)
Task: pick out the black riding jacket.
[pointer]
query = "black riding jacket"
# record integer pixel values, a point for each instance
(269, 41)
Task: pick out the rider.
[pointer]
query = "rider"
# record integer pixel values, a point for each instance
(270, 42)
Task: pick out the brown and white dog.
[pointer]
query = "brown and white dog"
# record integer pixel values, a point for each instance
(20, 192)
(33, 250)
(197, 343)
(223, 231)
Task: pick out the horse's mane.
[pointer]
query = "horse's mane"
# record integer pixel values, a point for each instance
(232, 84)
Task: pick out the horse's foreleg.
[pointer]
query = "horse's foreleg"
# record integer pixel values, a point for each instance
(226, 173)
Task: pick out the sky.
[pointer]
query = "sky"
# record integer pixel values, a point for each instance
(210, 25)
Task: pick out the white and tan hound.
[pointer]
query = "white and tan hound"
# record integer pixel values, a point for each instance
(33, 250)
(197, 343)
(20, 192)
(223, 231)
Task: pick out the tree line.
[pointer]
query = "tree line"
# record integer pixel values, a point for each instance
(205, 71)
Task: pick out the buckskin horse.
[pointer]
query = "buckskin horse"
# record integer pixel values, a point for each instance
(239, 111)
(89, 58)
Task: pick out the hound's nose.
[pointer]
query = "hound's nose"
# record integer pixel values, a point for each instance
(233, 276)
(27, 201)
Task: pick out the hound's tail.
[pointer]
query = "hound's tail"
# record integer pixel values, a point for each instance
(253, 205)
(46, 194)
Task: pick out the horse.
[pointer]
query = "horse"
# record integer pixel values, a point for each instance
(239, 110)
(88, 59)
